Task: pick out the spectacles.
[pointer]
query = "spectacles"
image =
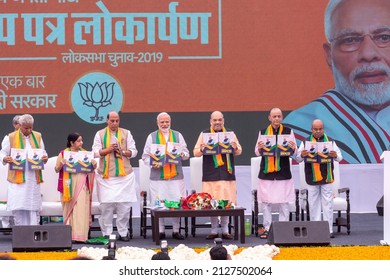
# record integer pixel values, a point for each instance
(351, 43)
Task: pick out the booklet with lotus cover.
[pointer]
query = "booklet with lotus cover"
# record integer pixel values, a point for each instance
(173, 153)
(211, 142)
(224, 141)
(18, 159)
(269, 143)
(318, 152)
(85, 162)
(34, 159)
(157, 154)
(284, 150)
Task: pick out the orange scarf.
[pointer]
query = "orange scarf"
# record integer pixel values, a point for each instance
(317, 176)
(218, 161)
(119, 164)
(272, 164)
(19, 144)
(169, 170)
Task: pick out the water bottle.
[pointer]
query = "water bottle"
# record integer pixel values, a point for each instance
(157, 201)
(247, 227)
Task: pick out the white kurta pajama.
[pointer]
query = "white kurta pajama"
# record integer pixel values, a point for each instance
(24, 200)
(171, 190)
(115, 194)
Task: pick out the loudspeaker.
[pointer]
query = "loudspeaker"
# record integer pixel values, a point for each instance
(299, 233)
(41, 238)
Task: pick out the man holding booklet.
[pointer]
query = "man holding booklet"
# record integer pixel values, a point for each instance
(24, 174)
(275, 144)
(218, 146)
(116, 184)
(164, 151)
(319, 172)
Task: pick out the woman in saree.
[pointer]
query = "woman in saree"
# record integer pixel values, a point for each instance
(75, 183)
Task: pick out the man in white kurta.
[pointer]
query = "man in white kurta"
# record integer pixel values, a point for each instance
(116, 184)
(24, 196)
(162, 185)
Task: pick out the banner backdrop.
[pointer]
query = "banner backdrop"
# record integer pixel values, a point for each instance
(70, 58)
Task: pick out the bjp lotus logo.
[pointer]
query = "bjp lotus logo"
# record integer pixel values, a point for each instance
(94, 95)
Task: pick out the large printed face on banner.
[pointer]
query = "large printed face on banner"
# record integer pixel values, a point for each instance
(356, 114)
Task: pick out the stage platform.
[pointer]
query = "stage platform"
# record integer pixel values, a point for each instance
(366, 229)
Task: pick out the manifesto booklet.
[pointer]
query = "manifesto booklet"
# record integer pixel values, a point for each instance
(284, 150)
(85, 161)
(224, 141)
(318, 152)
(211, 142)
(173, 153)
(71, 162)
(34, 159)
(157, 154)
(269, 143)
(18, 159)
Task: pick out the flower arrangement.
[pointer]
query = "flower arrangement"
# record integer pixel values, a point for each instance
(182, 252)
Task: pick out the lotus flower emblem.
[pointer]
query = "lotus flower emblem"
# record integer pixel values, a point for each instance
(97, 96)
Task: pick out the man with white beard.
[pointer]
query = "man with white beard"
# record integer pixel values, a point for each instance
(358, 52)
(166, 181)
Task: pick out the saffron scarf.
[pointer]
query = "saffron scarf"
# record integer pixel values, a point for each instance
(19, 144)
(169, 170)
(317, 176)
(119, 164)
(272, 164)
(67, 184)
(218, 161)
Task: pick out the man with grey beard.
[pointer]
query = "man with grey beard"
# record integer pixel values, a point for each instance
(358, 52)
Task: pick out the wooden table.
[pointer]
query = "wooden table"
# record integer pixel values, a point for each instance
(237, 212)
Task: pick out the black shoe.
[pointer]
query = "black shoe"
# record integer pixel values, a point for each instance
(227, 236)
(162, 235)
(212, 236)
(332, 235)
(125, 238)
(177, 235)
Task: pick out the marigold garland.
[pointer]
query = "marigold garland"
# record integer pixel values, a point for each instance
(286, 253)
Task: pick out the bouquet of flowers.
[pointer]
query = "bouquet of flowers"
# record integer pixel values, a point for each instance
(199, 201)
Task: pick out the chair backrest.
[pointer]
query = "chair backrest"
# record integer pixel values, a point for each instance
(196, 173)
(255, 169)
(50, 181)
(3, 182)
(144, 176)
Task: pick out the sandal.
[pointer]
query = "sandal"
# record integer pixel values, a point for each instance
(264, 235)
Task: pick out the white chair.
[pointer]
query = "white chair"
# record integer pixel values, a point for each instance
(3, 196)
(256, 205)
(144, 175)
(51, 201)
(340, 203)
